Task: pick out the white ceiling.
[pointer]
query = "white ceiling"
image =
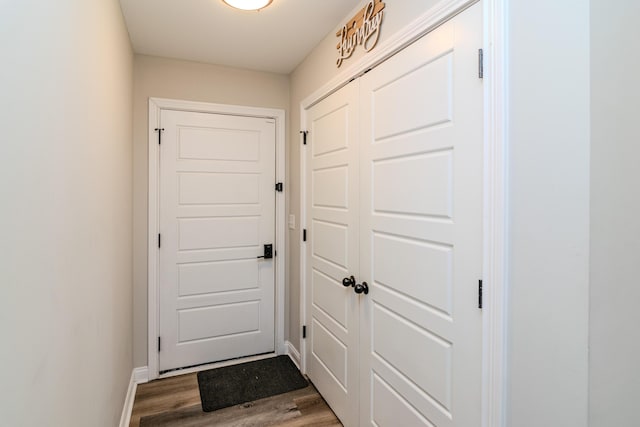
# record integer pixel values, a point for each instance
(274, 39)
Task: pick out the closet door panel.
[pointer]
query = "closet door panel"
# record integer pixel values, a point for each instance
(332, 253)
(421, 231)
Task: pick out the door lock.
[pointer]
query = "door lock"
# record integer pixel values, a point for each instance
(268, 252)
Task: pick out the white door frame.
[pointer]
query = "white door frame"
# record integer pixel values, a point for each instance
(156, 105)
(494, 187)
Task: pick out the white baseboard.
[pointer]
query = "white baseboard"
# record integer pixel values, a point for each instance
(125, 418)
(141, 375)
(138, 376)
(293, 353)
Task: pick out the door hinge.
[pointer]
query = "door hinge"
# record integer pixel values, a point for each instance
(304, 235)
(480, 64)
(479, 293)
(304, 332)
(158, 343)
(159, 130)
(304, 136)
(159, 240)
(279, 187)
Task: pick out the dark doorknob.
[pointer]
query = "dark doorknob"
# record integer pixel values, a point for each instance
(361, 288)
(348, 281)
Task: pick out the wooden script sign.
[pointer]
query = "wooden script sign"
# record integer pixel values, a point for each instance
(363, 29)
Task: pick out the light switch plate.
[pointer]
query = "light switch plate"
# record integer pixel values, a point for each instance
(292, 222)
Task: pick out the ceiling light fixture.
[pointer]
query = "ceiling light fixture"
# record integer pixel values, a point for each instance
(248, 4)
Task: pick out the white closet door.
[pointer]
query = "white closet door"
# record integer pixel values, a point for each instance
(421, 231)
(217, 210)
(332, 251)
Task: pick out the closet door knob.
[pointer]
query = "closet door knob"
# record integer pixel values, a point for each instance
(348, 281)
(361, 288)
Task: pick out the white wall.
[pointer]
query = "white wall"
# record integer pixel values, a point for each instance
(192, 81)
(614, 376)
(548, 213)
(66, 190)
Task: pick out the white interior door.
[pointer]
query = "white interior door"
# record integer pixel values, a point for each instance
(217, 210)
(421, 147)
(332, 251)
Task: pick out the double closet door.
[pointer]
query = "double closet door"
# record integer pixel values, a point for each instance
(394, 173)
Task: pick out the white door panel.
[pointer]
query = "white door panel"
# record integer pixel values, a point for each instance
(332, 251)
(219, 189)
(421, 270)
(193, 278)
(387, 402)
(217, 210)
(421, 231)
(331, 187)
(328, 297)
(430, 176)
(431, 79)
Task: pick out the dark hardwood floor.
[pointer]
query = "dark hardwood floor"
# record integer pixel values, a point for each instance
(175, 402)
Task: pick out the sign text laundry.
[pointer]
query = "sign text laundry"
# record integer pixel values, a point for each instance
(361, 30)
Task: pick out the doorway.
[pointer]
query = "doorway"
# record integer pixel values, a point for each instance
(216, 234)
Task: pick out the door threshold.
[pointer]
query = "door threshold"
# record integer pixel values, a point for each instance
(222, 364)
